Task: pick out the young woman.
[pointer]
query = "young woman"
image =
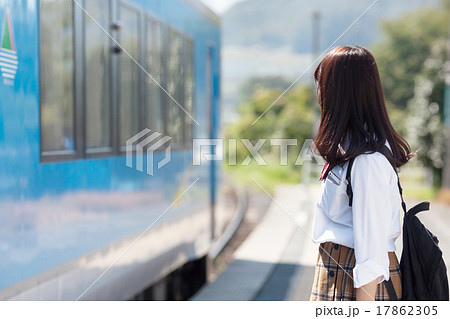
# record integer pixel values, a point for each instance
(357, 242)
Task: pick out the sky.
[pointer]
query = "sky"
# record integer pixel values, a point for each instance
(219, 6)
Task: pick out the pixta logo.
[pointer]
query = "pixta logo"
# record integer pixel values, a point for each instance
(146, 143)
(143, 145)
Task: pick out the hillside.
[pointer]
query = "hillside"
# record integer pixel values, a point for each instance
(272, 24)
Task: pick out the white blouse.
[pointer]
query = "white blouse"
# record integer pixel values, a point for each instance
(371, 225)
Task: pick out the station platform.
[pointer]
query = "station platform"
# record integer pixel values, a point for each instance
(277, 260)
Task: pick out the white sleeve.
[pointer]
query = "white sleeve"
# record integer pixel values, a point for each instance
(371, 207)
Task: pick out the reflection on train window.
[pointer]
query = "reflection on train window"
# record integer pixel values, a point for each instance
(175, 115)
(189, 90)
(154, 63)
(56, 72)
(129, 75)
(97, 76)
(94, 97)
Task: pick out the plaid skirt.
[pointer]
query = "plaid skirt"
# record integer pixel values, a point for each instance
(333, 279)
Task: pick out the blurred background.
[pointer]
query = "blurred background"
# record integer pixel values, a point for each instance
(270, 50)
(88, 85)
(267, 45)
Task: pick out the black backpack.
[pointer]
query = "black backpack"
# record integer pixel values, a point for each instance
(423, 271)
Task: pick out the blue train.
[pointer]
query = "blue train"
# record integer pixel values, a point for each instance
(80, 79)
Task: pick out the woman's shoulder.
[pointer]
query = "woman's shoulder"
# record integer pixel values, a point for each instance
(373, 165)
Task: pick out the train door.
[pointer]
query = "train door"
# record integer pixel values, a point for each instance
(97, 77)
(210, 116)
(129, 73)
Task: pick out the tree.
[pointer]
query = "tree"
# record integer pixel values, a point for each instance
(291, 117)
(411, 60)
(425, 129)
(406, 45)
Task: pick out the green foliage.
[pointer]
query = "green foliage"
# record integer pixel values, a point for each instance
(425, 128)
(406, 45)
(267, 176)
(290, 117)
(411, 61)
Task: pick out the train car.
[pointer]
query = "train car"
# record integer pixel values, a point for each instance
(91, 90)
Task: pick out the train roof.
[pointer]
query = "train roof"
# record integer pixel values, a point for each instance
(204, 10)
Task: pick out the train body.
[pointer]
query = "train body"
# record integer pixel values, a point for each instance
(80, 78)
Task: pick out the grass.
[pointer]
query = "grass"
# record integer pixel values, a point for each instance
(271, 175)
(415, 187)
(420, 192)
(268, 176)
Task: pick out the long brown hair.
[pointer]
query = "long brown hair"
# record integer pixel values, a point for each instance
(352, 103)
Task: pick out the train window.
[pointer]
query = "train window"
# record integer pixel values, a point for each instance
(189, 89)
(97, 76)
(175, 115)
(129, 74)
(56, 76)
(154, 63)
(92, 100)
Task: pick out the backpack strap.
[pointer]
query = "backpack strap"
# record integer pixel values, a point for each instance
(349, 184)
(388, 154)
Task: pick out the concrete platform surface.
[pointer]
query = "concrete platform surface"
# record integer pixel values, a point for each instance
(277, 260)
(268, 265)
